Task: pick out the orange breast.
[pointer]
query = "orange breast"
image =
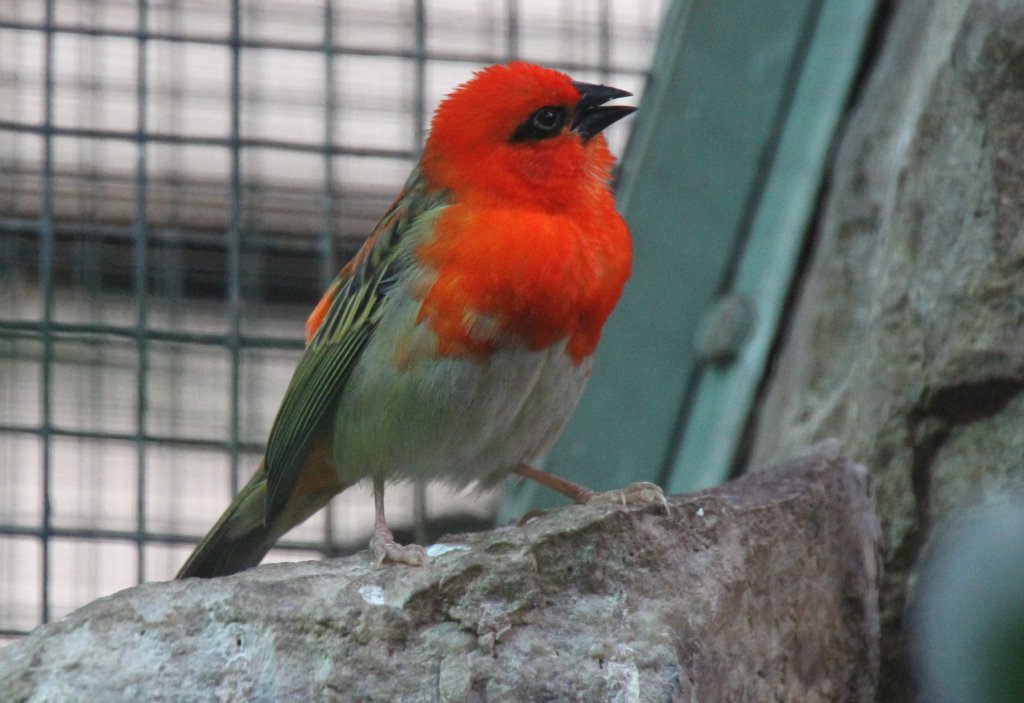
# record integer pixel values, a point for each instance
(536, 276)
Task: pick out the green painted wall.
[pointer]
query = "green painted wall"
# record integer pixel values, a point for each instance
(718, 186)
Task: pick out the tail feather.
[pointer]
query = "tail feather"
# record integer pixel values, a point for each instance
(244, 534)
(239, 540)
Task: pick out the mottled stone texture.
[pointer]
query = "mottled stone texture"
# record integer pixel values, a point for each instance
(762, 590)
(907, 341)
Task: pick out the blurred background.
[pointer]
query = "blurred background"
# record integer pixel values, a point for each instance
(179, 179)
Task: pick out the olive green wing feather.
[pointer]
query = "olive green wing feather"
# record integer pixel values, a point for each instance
(335, 347)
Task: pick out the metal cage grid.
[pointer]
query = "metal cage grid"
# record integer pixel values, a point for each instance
(180, 279)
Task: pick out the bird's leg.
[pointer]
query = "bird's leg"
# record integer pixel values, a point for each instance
(641, 493)
(573, 491)
(383, 544)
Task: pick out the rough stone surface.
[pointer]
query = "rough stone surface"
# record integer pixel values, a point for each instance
(762, 590)
(907, 341)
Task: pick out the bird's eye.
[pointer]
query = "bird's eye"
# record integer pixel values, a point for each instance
(547, 119)
(542, 124)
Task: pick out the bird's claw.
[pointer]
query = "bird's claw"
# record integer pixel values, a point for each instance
(384, 547)
(640, 493)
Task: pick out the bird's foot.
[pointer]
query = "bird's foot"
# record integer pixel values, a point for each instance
(384, 547)
(641, 493)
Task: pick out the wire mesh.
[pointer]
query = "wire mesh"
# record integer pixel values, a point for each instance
(178, 181)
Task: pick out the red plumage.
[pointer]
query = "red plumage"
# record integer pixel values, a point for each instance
(532, 239)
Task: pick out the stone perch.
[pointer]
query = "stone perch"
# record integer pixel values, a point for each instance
(906, 337)
(761, 590)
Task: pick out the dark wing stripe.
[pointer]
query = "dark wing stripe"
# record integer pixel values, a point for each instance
(333, 351)
(320, 377)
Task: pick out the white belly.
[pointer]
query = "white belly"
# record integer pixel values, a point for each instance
(457, 420)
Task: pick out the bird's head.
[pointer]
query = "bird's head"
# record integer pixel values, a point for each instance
(523, 132)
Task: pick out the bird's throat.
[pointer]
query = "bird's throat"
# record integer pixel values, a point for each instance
(519, 276)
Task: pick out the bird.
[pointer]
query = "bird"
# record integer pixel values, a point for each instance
(455, 344)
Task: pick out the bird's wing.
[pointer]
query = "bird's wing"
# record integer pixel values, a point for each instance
(338, 332)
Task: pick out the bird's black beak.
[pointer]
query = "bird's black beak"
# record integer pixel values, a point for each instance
(592, 115)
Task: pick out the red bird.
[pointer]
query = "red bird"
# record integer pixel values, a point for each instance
(456, 344)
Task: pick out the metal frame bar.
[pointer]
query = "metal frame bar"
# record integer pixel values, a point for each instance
(419, 112)
(229, 143)
(102, 533)
(415, 54)
(46, 257)
(47, 431)
(280, 244)
(325, 242)
(234, 241)
(44, 328)
(141, 274)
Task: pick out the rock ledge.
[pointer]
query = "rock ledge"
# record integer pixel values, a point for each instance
(763, 589)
